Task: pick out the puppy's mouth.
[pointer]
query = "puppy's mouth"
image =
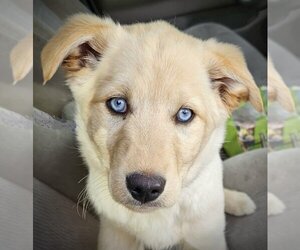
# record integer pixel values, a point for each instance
(137, 206)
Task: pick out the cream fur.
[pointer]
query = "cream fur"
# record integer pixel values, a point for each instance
(158, 69)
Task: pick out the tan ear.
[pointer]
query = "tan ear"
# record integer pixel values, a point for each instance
(277, 89)
(77, 45)
(230, 76)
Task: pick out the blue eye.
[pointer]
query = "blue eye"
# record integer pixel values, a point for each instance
(184, 115)
(117, 105)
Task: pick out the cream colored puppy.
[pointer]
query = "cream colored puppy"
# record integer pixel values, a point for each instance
(151, 109)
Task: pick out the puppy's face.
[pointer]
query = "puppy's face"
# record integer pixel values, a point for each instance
(148, 97)
(146, 118)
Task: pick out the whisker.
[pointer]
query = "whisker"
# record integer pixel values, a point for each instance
(82, 179)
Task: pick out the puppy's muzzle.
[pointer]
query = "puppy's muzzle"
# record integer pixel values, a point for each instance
(145, 188)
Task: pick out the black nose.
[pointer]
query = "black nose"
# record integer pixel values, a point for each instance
(145, 188)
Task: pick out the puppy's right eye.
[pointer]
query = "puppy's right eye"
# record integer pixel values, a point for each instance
(117, 105)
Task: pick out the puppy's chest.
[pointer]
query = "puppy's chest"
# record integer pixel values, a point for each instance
(162, 229)
(166, 228)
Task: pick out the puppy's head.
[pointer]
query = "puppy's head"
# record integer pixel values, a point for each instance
(149, 98)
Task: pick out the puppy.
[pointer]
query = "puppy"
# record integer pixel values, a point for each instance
(151, 106)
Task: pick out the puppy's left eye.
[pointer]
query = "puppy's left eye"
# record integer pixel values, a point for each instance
(184, 115)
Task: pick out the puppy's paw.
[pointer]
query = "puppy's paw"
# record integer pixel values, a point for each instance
(275, 206)
(238, 203)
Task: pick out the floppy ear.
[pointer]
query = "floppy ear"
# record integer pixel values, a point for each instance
(230, 76)
(277, 89)
(78, 45)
